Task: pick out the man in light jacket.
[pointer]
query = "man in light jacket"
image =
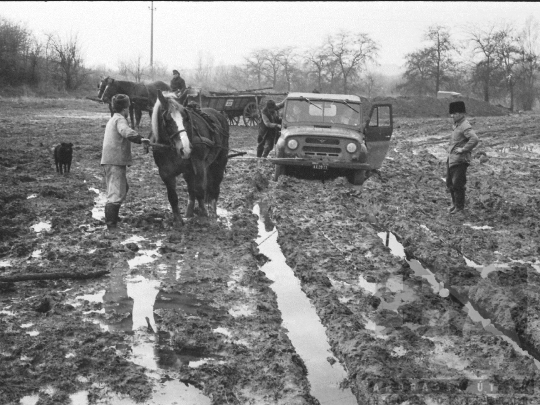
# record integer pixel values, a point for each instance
(462, 142)
(116, 156)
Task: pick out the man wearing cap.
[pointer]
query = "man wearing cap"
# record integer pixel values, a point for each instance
(268, 128)
(462, 142)
(178, 85)
(116, 156)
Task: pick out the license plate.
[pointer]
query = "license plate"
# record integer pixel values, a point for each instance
(320, 166)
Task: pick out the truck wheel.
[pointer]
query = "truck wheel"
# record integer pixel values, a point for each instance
(357, 177)
(280, 170)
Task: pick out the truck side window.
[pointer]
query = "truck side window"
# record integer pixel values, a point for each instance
(380, 117)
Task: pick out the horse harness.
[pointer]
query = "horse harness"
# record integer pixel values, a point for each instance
(194, 110)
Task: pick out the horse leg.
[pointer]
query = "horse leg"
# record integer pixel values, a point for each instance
(138, 116)
(170, 183)
(131, 116)
(189, 177)
(197, 187)
(215, 177)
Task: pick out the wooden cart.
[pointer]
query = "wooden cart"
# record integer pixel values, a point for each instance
(245, 104)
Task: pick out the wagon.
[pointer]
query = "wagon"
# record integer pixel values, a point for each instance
(245, 104)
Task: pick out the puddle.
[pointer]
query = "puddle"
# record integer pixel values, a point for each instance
(390, 240)
(305, 330)
(225, 216)
(29, 400)
(483, 227)
(98, 212)
(42, 226)
(145, 256)
(131, 301)
(171, 392)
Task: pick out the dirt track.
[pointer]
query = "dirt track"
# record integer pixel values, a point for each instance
(216, 332)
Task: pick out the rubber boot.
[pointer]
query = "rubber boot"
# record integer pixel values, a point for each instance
(453, 207)
(111, 216)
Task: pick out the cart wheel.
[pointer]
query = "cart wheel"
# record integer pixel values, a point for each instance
(357, 177)
(233, 120)
(251, 115)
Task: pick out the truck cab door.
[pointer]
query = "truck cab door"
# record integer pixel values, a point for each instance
(378, 131)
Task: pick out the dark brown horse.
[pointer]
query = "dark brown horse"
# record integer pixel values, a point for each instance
(142, 96)
(192, 142)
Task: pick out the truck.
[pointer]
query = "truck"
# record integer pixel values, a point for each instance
(327, 132)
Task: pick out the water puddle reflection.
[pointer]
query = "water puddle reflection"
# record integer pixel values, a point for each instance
(129, 304)
(42, 226)
(438, 287)
(98, 212)
(305, 330)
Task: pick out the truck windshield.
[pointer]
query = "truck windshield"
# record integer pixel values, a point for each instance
(325, 112)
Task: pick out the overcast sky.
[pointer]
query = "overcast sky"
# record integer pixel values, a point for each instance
(120, 31)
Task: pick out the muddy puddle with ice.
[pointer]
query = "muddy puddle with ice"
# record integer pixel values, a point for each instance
(300, 319)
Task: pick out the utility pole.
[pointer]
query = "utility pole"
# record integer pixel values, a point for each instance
(152, 38)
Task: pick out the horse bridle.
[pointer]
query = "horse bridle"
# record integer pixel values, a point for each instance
(177, 133)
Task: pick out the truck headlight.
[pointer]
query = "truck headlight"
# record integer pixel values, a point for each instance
(292, 144)
(351, 147)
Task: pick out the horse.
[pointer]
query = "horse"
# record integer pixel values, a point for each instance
(101, 88)
(193, 142)
(142, 96)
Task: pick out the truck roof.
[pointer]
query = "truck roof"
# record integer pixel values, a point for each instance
(318, 96)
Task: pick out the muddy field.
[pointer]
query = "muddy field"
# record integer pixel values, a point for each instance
(302, 291)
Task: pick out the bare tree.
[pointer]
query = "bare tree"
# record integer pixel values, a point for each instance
(529, 64)
(508, 54)
(418, 72)
(351, 52)
(485, 45)
(288, 60)
(255, 64)
(14, 44)
(67, 57)
(272, 64)
(137, 69)
(442, 47)
(203, 71)
(317, 60)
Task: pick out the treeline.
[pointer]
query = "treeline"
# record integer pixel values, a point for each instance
(497, 63)
(53, 63)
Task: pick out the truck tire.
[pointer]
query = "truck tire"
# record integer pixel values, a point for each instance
(357, 177)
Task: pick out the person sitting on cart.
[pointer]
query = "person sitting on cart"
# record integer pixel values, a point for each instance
(269, 127)
(178, 85)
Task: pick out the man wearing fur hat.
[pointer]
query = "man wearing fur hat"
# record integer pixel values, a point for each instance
(178, 85)
(116, 156)
(462, 142)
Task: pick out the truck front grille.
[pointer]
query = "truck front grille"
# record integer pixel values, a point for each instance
(321, 151)
(323, 141)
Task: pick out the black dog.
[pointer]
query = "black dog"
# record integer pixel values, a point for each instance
(63, 154)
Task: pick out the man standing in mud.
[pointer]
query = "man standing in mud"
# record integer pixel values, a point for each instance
(462, 142)
(269, 127)
(116, 156)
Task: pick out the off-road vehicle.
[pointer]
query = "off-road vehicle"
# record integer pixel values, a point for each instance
(327, 132)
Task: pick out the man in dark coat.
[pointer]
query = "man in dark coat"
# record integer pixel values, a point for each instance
(178, 85)
(269, 127)
(462, 142)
